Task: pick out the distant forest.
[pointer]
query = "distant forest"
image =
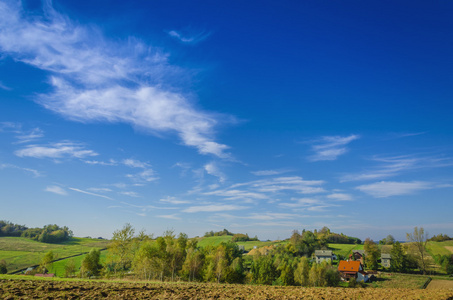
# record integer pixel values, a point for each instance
(48, 234)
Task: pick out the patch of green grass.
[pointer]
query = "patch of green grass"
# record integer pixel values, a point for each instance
(22, 252)
(398, 280)
(344, 249)
(58, 267)
(438, 248)
(214, 240)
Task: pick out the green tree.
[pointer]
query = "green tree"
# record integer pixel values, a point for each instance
(372, 254)
(3, 268)
(91, 265)
(418, 240)
(120, 249)
(399, 259)
(302, 271)
(47, 261)
(70, 268)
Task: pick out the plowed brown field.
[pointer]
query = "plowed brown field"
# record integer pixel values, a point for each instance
(440, 284)
(51, 289)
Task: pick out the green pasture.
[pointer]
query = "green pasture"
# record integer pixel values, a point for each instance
(438, 248)
(216, 240)
(58, 267)
(344, 249)
(22, 252)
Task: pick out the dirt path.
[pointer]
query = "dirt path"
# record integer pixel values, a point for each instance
(440, 284)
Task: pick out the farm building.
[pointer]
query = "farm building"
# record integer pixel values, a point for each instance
(352, 269)
(386, 260)
(323, 255)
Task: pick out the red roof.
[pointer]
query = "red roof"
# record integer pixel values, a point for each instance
(349, 266)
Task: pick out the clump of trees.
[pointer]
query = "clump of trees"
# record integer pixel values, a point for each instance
(337, 238)
(3, 268)
(48, 234)
(173, 257)
(240, 237)
(440, 238)
(218, 233)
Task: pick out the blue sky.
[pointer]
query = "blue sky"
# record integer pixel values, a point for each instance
(257, 117)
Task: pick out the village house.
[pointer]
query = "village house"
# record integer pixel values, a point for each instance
(357, 255)
(386, 260)
(352, 269)
(323, 255)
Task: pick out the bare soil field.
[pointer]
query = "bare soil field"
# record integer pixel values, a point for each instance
(55, 289)
(449, 248)
(440, 284)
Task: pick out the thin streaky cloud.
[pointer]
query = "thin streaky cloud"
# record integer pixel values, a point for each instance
(5, 87)
(170, 217)
(55, 150)
(189, 38)
(390, 166)
(331, 147)
(385, 189)
(214, 208)
(213, 169)
(269, 172)
(89, 193)
(56, 190)
(35, 173)
(95, 79)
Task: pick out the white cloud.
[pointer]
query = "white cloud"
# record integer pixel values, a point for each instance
(213, 208)
(56, 150)
(135, 163)
(111, 162)
(130, 194)
(34, 134)
(33, 171)
(268, 172)
(4, 87)
(330, 147)
(89, 193)
(189, 37)
(171, 217)
(391, 188)
(340, 197)
(146, 175)
(56, 190)
(212, 169)
(394, 165)
(173, 200)
(94, 79)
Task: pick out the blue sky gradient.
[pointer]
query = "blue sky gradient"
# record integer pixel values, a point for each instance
(257, 117)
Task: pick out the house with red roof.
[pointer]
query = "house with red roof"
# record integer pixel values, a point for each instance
(352, 269)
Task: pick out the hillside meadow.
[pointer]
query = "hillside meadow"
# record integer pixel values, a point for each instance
(21, 253)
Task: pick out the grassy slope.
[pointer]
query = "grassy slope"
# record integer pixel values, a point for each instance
(21, 252)
(344, 249)
(58, 267)
(216, 240)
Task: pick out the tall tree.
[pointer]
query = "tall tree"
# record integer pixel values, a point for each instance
(399, 260)
(47, 261)
(302, 271)
(120, 254)
(418, 240)
(91, 265)
(372, 254)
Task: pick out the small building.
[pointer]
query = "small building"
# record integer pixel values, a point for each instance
(386, 260)
(352, 269)
(357, 255)
(323, 255)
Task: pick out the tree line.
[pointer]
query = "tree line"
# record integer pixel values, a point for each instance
(51, 233)
(171, 258)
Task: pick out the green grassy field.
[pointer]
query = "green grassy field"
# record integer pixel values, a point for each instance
(21, 252)
(58, 267)
(216, 240)
(438, 248)
(344, 249)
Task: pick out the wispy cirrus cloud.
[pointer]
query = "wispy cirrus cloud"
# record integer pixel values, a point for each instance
(330, 147)
(385, 189)
(189, 36)
(55, 150)
(35, 173)
(213, 169)
(56, 190)
(94, 79)
(269, 172)
(173, 200)
(89, 193)
(394, 165)
(214, 208)
(5, 87)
